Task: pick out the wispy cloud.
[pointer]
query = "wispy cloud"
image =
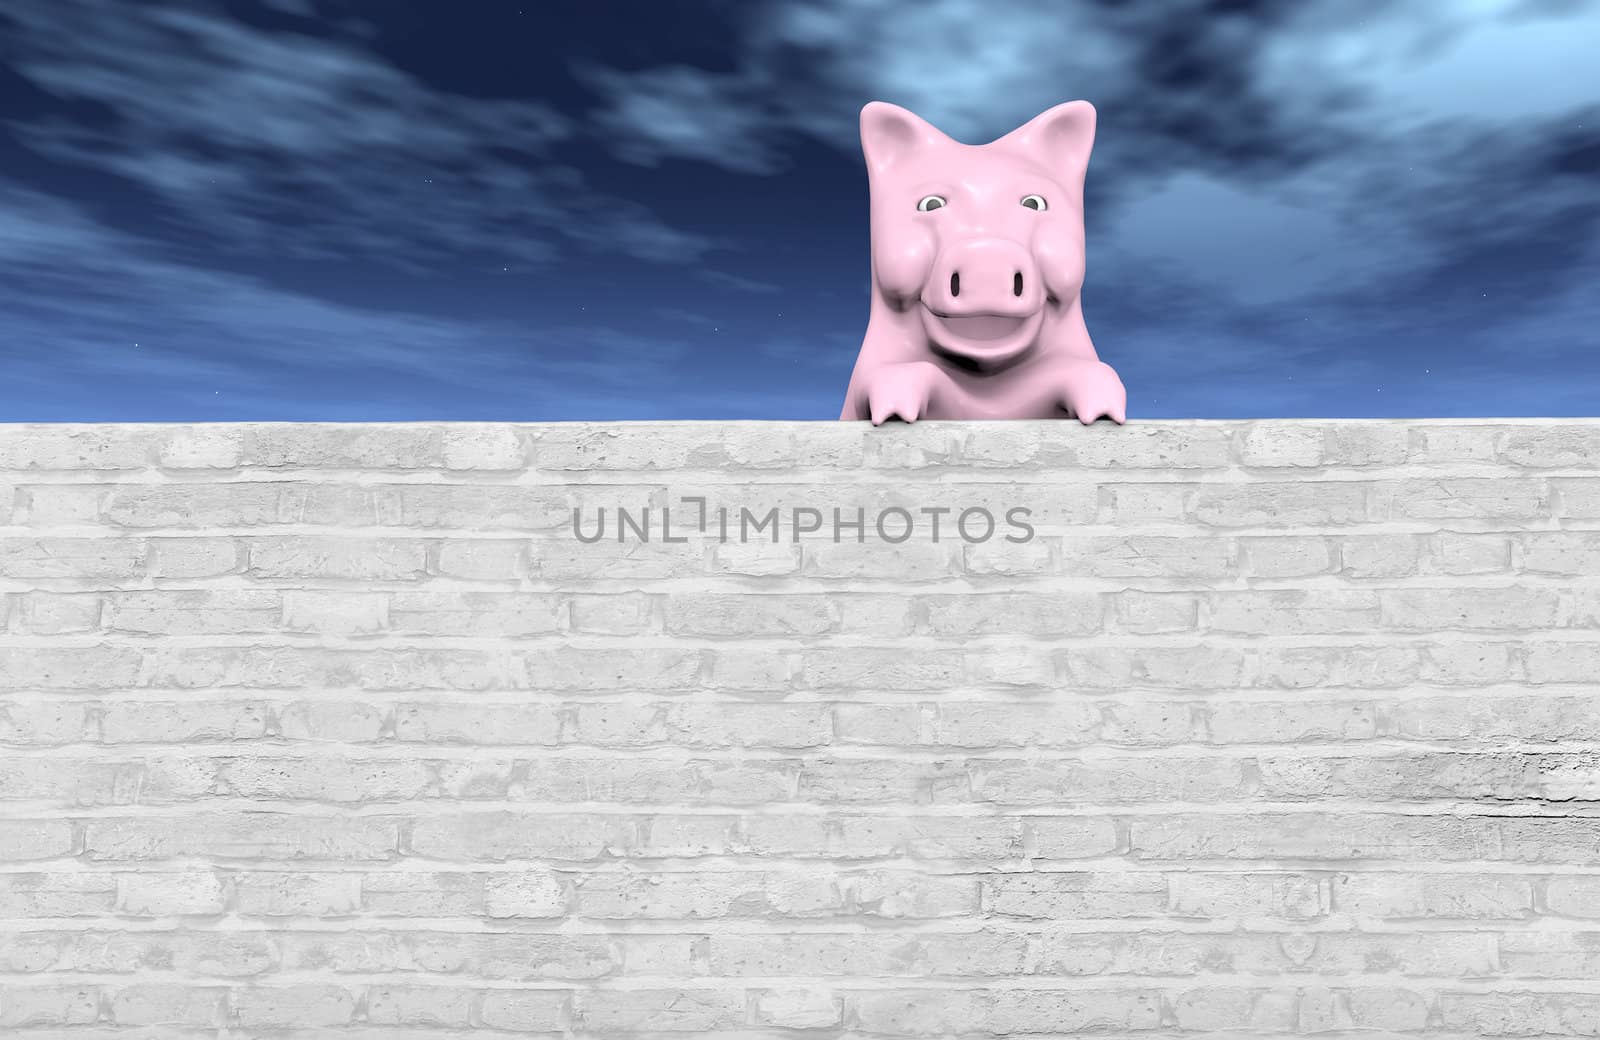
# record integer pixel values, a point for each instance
(313, 148)
(87, 305)
(734, 281)
(678, 112)
(298, 8)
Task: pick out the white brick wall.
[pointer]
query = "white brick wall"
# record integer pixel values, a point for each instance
(339, 731)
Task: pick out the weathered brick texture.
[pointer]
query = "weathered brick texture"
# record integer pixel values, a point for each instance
(1246, 729)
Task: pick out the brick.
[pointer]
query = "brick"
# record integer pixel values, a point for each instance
(1462, 498)
(95, 667)
(1357, 444)
(201, 446)
(698, 724)
(317, 612)
(26, 840)
(473, 613)
(605, 667)
(419, 1005)
(664, 1010)
(1417, 897)
(514, 956)
(1441, 443)
(78, 446)
(1152, 613)
(49, 1005)
(483, 559)
(56, 894)
(1141, 446)
(527, 894)
(1146, 556)
(1268, 502)
(307, 1005)
(52, 505)
(201, 556)
(1504, 609)
(1287, 556)
(1313, 836)
(1207, 895)
(179, 722)
(336, 558)
(493, 836)
(1058, 895)
(748, 616)
(286, 445)
(237, 836)
(168, 1004)
(484, 446)
(59, 613)
(795, 1007)
(193, 611)
(1165, 666)
(201, 506)
(1291, 722)
(1576, 498)
(963, 615)
(1293, 612)
(1551, 446)
(46, 723)
(107, 558)
(445, 507)
(351, 722)
(329, 778)
(1005, 1012)
(1268, 445)
(530, 1010)
(414, 893)
(297, 894)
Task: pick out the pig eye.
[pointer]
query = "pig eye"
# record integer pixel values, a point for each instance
(1034, 202)
(930, 202)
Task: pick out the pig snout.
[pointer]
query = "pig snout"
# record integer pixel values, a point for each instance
(983, 301)
(984, 276)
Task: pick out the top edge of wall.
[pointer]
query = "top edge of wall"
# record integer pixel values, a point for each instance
(936, 423)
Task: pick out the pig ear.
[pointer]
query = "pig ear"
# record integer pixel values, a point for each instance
(889, 133)
(1060, 137)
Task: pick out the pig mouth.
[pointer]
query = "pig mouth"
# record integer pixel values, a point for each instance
(988, 341)
(981, 327)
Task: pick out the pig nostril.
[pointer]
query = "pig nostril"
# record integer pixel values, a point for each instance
(1016, 285)
(955, 284)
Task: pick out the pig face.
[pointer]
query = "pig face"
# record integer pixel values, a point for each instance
(982, 242)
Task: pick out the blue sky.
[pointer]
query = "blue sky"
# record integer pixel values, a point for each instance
(388, 210)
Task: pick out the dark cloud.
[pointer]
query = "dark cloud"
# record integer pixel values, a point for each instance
(1190, 96)
(1503, 209)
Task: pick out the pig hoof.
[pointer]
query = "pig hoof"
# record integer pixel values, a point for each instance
(901, 405)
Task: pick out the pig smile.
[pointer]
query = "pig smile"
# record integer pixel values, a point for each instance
(988, 340)
(981, 326)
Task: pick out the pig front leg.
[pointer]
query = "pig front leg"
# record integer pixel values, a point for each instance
(1090, 389)
(908, 389)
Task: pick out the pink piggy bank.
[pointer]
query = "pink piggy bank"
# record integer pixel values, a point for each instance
(977, 263)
